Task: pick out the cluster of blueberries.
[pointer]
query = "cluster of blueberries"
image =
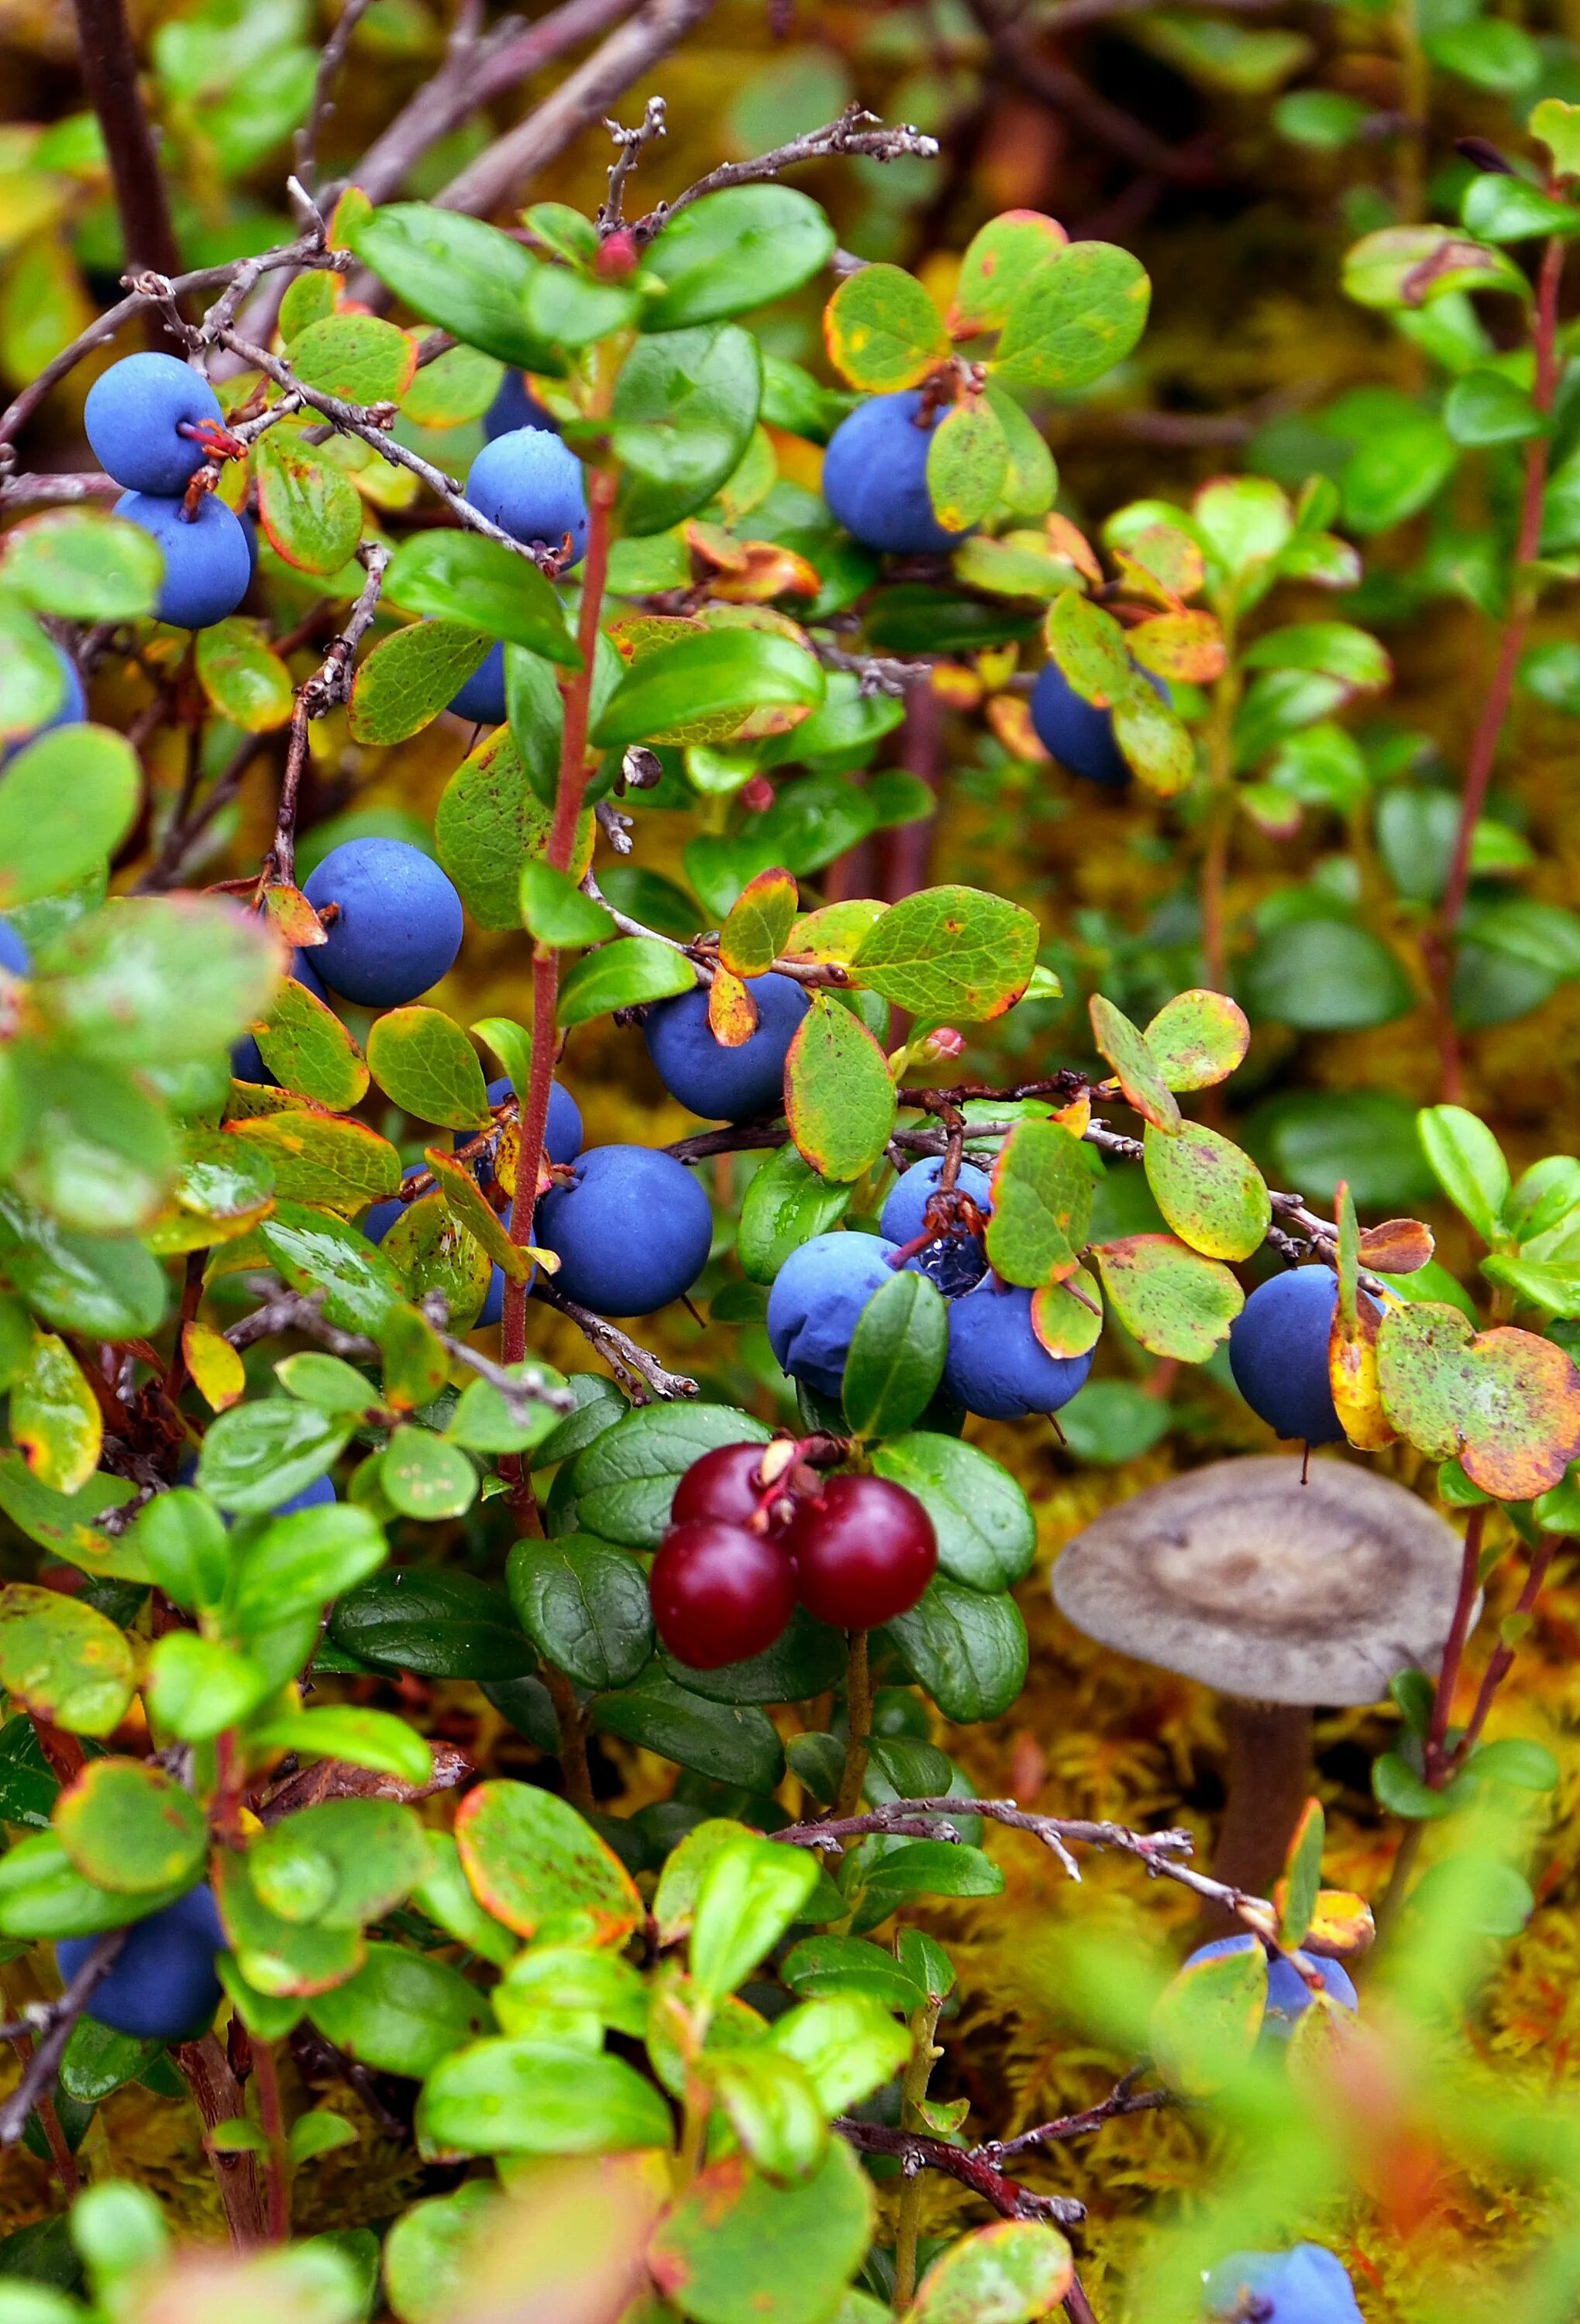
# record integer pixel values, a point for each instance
(740, 1550)
(152, 422)
(874, 480)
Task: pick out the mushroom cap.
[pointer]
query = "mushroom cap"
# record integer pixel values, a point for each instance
(1239, 1575)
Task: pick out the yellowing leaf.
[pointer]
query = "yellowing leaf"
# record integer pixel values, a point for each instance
(55, 1416)
(218, 1371)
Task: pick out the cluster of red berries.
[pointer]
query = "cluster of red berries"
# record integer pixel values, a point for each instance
(753, 1530)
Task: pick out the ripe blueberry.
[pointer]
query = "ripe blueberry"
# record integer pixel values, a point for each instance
(208, 564)
(996, 1365)
(719, 1593)
(864, 1551)
(1080, 735)
(133, 415)
(1278, 1353)
(562, 1133)
(162, 1987)
(874, 476)
(14, 954)
(954, 1262)
(1307, 2285)
(382, 1216)
(726, 1084)
(816, 1301)
(632, 1231)
(399, 927)
(482, 698)
(1289, 1997)
(530, 484)
(515, 406)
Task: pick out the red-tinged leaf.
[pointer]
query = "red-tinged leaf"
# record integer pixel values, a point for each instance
(360, 358)
(424, 1062)
(55, 1419)
(1351, 1367)
(1207, 2020)
(1184, 646)
(1172, 1299)
(1010, 718)
(1163, 563)
(308, 507)
(1073, 318)
(1197, 1038)
(63, 1660)
(967, 461)
(1397, 1247)
(1154, 741)
(1042, 1191)
(1135, 1067)
(732, 1013)
(218, 1371)
(1067, 1317)
(1297, 1891)
(530, 1859)
(1505, 1402)
(433, 1253)
(322, 1159)
(464, 1200)
(839, 1100)
(309, 1050)
(950, 954)
(1016, 2267)
(308, 298)
(1211, 1194)
(1000, 257)
(1340, 1925)
(769, 570)
(412, 676)
(759, 924)
(292, 917)
(1070, 545)
(243, 676)
(883, 331)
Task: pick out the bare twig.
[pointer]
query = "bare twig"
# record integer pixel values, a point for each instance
(916, 2153)
(19, 492)
(50, 2026)
(878, 673)
(110, 75)
(1123, 2098)
(296, 1311)
(636, 1369)
(631, 142)
(329, 687)
(330, 58)
(856, 132)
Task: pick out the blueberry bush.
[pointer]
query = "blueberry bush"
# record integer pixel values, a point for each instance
(541, 1775)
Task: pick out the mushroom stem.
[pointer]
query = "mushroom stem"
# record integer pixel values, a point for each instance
(1268, 1782)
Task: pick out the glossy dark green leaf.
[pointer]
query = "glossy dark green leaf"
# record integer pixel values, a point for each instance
(468, 278)
(684, 409)
(622, 976)
(402, 2013)
(734, 251)
(461, 576)
(896, 1357)
(67, 802)
(806, 1659)
(257, 1455)
(720, 674)
(626, 1480)
(733, 1743)
(438, 1623)
(987, 1536)
(584, 1604)
(967, 1647)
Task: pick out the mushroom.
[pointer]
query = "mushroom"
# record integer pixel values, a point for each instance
(1282, 1596)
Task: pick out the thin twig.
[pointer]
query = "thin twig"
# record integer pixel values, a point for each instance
(92, 484)
(51, 2026)
(329, 687)
(1123, 2099)
(109, 74)
(915, 2153)
(330, 58)
(637, 1370)
(856, 132)
(630, 142)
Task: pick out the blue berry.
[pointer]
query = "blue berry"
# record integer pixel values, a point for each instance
(316, 1496)
(632, 1231)
(14, 954)
(1278, 1353)
(954, 1262)
(381, 1217)
(208, 564)
(1307, 2285)
(399, 927)
(515, 406)
(482, 698)
(164, 1985)
(493, 1308)
(73, 707)
(133, 417)
(562, 1131)
(719, 1083)
(874, 476)
(1289, 1997)
(530, 484)
(997, 1366)
(246, 1059)
(816, 1301)
(1080, 735)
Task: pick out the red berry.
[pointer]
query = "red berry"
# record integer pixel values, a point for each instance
(724, 1484)
(865, 1551)
(720, 1593)
(617, 257)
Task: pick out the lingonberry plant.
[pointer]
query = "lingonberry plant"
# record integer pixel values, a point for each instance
(645, 1984)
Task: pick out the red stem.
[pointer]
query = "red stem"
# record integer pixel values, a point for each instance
(276, 2166)
(1497, 1670)
(1436, 1766)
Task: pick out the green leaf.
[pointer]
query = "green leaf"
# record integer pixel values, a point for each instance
(1303, 1879)
(1505, 1402)
(309, 1051)
(965, 1646)
(986, 1534)
(557, 912)
(771, 2107)
(1042, 1191)
(735, 250)
(402, 2013)
(241, 675)
(308, 508)
(786, 1204)
(132, 1828)
(1325, 976)
(847, 2044)
(319, 2133)
(54, 1417)
(839, 1099)
(1401, 1791)
(464, 578)
(437, 1622)
(491, 823)
(896, 1357)
(425, 1065)
(804, 1660)
(735, 2249)
(278, 1957)
(83, 565)
(760, 920)
(1205, 2024)
(339, 1863)
(516, 2097)
(883, 331)
(257, 1455)
(1411, 265)
(1516, 1759)
(532, 1860)
(197, 1688)
(968, 462)
(1031, 482)
(1557, 125)
(1212, 1195)
(63, 1660)
(427, 2254)
(97, 2061)
(360, 358)
(42, 1895)
(749, 1895)
(367, 1739)
(67, 802)
(98, 1149)
(1077, 314)
(683, 412)
(717, 674)
(622, 976)
(153, 980)
(825, 1967)
(1197, 1040)
(888, 1874)
(322, 1255)
(423, 1477)
(568, 310)
(1486, 406)
(1135, 1068)
(1468, 1164)
(456, 386)
(32, 675)
(1007, 2274)
(999, 261)
(409, 677)
(624, 1481)
(63, 1523)
(468, 278)
(1171, 1298)
(1506, 208)
(952, 953)
(735, 1746)
(584, 1604)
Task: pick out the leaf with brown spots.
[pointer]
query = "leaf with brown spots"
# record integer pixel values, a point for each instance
(1211, 1194)
(1171, 1298)
(1136, 1068)
(1505, 1402)
(1197, 1038)
(951, 954)
(530, 1859)
(1397, 1247)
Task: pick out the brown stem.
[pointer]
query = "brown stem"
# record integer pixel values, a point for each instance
(858, 1713)
(1498, 1668)
(905, 852)
(573, 1740)
(277, 2162)
(1269, 1780)
(1076, 2306)
(1007, 2195)
(217, 2096)
(1436, 1764)
(110, 75)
